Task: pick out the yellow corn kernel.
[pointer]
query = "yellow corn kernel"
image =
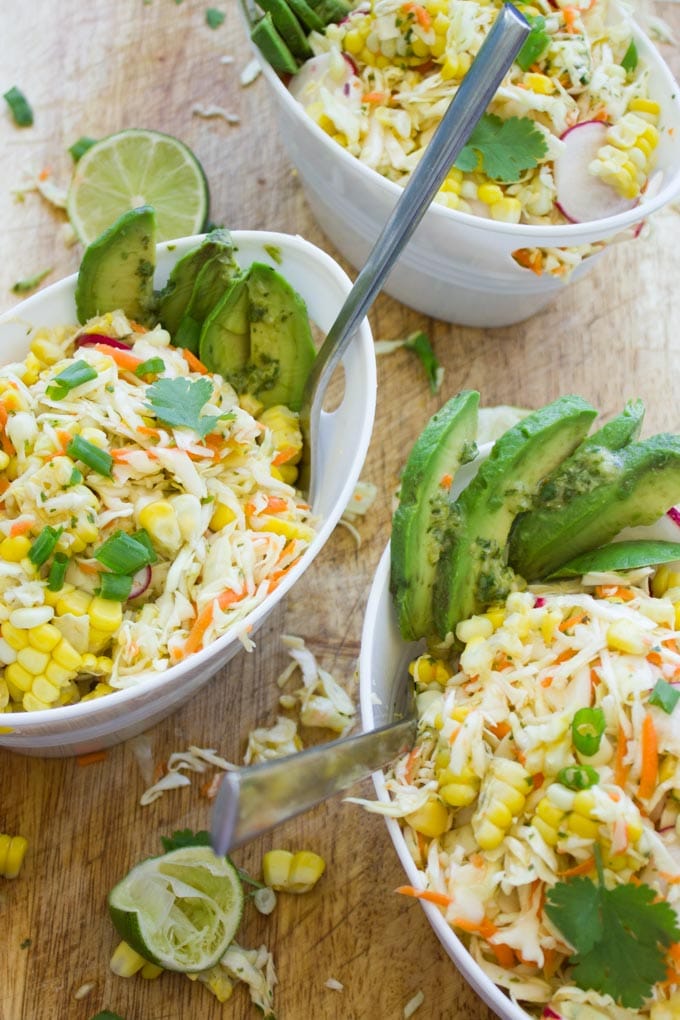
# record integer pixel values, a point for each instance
(44, 690)
(508, 210)
(539, 83)
(285, 473)
(31, 370)
(150, 971)
(105, 614)
(585, 827)
(489, 194)
(432, 819)
(76, 602)
(4, 460)
(13, 550)
(65, 655)
(420, 48)
(59, 675)
(550, 813)
(222, 515)
(488, 835)
(458, 794)
(306, 869)
(217, 980)
(353, 41)
(276, 868)
(104, 665)
(31, 703)
(549, 834)
(4, 694)
(14, 637)
(289, 529)
(98, 640)
(12, 853)
(32, 660)
(98, 691)
(125, 961)
(623, 637)
(88, 663)
(676, 611)
(513, 799)
(45, 637)
(460, 713)
(497, 616)
(45, 350)
(640, 105)
(19, 677)
(499, 814)
(160, 521)
(475, 627)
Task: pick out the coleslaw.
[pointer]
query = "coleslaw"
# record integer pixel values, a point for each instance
(146, 509)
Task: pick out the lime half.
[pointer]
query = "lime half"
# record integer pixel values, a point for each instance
(180, 910)
(133, 168)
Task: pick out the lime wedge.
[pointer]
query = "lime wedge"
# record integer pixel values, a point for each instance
(180, 910)
(133, 168)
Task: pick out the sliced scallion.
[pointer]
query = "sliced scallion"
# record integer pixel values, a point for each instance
(96, 458)
(44, 545)
(20, 107)
(55, 580)
(143, 536)
(665, 696)
(116, 587)
(587, 728)
(75, 375)
(76, 477)
(123, 554)
(152, 366)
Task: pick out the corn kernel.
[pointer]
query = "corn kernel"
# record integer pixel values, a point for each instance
(489, 836)
(641, 105)
(222, 515)
(475, 627)
(12, 854)
(539, 83)
(13, 550)
(99, 639)
(160, 521)
(550, 814)
(585, 827)
(508, 210)
(105, 615)
(305, 871)
(125, 961)
(45, 350)
(432, 819)
(44, 690)
(32, 660)
(45, 638)
(33, 616)
(150, 971)
(276, 868)
(31, 703)
(19, 677)
(65, 655)
(58, 675)
(14, 637)
(489, 194)
(76, 602)
(549, 834)
(622, 637)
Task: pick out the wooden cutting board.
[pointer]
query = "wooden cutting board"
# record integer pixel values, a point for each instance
(91, 69)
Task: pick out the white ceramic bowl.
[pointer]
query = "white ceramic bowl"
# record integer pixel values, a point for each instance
(345, 433)
(383, 666)
(457, 267)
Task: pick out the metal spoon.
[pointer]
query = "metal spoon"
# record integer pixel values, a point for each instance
(474, 94)
(255, 799)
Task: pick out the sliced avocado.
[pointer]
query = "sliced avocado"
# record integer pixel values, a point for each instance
(281, 345)
(624, 555)
(446, 442)
(224, 345)
(174, 298)
(212, 283)
(472, 572)
(307, 15)
(117, 269)
(272, 46)
(589, 463)
(331, 10)
(642, 481)
(288, 27)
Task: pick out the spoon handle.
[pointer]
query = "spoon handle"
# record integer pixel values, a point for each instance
(474, 94)
(255, 799)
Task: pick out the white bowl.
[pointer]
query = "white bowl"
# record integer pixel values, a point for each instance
(383, 665)
(456, 267)
(87, 726)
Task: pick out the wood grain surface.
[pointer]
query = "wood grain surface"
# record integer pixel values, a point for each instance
(97, 67)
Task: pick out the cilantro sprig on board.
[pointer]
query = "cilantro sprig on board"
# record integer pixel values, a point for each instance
(503, 149)
(620, 935)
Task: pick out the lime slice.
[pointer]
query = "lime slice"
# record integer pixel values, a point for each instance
(133, 168)
(180, 910)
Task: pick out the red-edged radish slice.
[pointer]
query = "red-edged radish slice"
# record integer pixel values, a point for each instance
(324, 71)
(140, 582)
(90, 339)
(581, 196)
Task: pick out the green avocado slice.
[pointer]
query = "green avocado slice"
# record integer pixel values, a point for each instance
(176, 295)
(224, 344)
(212, 283)
(623, 555)
(117, 269)
(446, 442)
(472, 572)
(635, 486)
(272, 46)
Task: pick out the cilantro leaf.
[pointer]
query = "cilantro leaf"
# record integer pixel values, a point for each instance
(620, 936)
(214, 17)
(179, 402)
(503, 148)
(420, 344)
(185, 837)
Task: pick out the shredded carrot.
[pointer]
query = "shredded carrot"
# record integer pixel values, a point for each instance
(422, 846)
(91, 758)
(546, 681)
(88, 567)
(485, 928)
(505, 954)
(654, 658)
(583, 868)
(147, 430)
(21, 527)
(124, 359)
(4, 485)
(649, 747)
(137, 327)
(501, 662)
(420, 13)
(411, 764)
(445, 481)
(284, 455)
(376, 97)
(570, 16)
(194, 364)
(477, 860)
(672, 880)
(500, 729)
(537, 780)
(614, 591)
(195, 639)
(529, 258)
(551, 960)
(621, 770)
(275, 505)
(441, 899)
(571, 621)
(45, 173)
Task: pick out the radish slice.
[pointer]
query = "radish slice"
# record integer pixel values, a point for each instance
(90, 339)
(327, 72)
(674, 514)
(140, 582)
(581, 197)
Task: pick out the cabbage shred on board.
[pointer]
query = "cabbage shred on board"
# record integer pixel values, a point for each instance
(144, 510)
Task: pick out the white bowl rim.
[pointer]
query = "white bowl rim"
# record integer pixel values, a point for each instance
(561, 232)
(24, 722)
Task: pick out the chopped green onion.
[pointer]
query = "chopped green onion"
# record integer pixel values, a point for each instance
(535, 43)
(55, 580)
(116, 587)
(143, 536)
(630, 58)
(420, 344)
(75, 375)
(20, 107)
(123, 554)
(664, 696)
(31, 282)
(97, 459)
(587, 728)
(214, 18)
(80, 147)
(153, 366)
(44, 545)
(76, 477)
(578, 777)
